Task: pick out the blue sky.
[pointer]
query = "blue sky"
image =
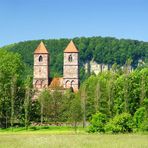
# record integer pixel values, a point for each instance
(22, 20)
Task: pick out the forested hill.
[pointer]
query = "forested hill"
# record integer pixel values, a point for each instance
(105, 50)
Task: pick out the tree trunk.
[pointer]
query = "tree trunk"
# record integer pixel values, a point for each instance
(41, 113)
(97, 98)
(83, 96)
(13, 92)
(26, 106)
(75, 126)
(142, 95)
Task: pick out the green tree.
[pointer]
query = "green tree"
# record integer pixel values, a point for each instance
(11, 68)
(43, 99)
(13, 95)
(27, 100)
(83, 97)
(75, 111)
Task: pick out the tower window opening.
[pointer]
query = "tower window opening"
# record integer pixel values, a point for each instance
(70, 58)
(40, 58)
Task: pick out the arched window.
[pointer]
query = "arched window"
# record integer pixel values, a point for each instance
(38, 84)
(40, 58)
(67, 84)
(70, 58)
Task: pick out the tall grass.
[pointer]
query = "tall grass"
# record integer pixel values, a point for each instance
(73, 141)
(65, 137)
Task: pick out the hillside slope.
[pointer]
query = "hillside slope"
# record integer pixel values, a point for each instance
(102, 50)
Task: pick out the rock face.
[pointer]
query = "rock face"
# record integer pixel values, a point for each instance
(94, 67)
(41, 67)
(71, 67)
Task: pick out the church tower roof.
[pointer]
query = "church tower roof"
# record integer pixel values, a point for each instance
(71, 47)
(41, 48)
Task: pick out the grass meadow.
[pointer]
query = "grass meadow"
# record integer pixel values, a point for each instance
(65, 137)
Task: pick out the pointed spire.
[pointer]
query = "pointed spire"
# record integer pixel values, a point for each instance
(41, 48)
(71, 47)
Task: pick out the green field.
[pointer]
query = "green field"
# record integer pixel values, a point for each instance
(63, 137)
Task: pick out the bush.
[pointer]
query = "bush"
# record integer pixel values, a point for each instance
(139, 117)
(122, 123)
(98, 122)
(144, 125)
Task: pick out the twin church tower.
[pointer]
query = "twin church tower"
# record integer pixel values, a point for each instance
(70, 77)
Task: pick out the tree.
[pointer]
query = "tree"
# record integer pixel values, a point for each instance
(110, 92)
(83, 102)
(75, 111)
(125, 89)
(57, 105)
(143, 87)
(43, 99)
(13, 94)
(98, 96)
(27, 100)
(11, 68)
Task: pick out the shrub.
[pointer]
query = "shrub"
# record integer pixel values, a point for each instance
(144, 125)
(122, 123)
(98, 122)
(139, 117)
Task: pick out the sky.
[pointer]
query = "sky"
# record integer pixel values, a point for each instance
(22, 20)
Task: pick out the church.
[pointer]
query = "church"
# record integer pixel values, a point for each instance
(41, 71)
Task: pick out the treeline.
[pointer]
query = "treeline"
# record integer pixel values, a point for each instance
(103, 50)
(114, 101)
(16, 93)
(113, 93)
(11, 87)
(117, 102)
